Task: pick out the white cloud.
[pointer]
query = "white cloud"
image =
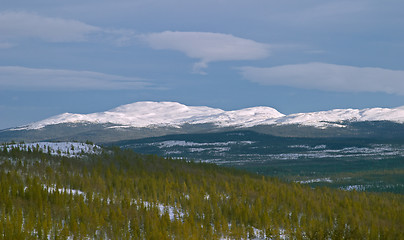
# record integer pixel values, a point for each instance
(329, 77)
(16, 77)
(207, 46)
(22, 24)
(19, 25)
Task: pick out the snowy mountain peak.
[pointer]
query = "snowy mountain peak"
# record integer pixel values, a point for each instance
(173, 114)
(138, 114)
(400, 108)
(162, 111)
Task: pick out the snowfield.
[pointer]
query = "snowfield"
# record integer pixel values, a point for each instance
(173, 114)
(172, 143)
(68, 149)
(317, 180)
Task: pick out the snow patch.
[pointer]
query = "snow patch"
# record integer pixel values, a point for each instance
(317, 147)
(173, 212)
(317, 180)
(174, 143)
(64, 190)
(354, 187)
(68, 149)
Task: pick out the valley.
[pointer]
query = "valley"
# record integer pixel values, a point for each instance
(345, 163)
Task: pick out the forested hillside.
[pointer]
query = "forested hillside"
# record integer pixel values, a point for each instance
(119, 194)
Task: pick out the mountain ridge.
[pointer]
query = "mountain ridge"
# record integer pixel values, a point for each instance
(153, 119)
(173, 114)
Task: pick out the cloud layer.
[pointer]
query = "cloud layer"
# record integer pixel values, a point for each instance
(22, 24)
(15, 26)
(329, 77)
(207, 46)
(22, 78)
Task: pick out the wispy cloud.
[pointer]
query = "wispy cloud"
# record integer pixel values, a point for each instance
(15, 26)
(22, 24)
(22, 78)
(207, 46)
(329, 77)
(6, 45)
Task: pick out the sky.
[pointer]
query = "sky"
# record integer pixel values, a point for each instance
(295, 56)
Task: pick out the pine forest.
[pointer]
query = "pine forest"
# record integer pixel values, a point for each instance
(119, 194)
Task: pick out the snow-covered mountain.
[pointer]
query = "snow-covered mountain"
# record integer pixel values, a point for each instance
(334, 118)
(172, 114)
(153, 119)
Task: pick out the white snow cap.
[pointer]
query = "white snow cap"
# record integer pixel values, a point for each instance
(173, 114)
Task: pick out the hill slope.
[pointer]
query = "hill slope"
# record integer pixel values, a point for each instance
(122, 195)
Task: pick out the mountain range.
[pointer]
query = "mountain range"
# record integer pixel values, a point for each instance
(151, 119)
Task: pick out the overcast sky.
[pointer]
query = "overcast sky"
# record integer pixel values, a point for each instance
(296, 56)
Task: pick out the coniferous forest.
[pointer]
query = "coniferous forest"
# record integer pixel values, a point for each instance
(119, 194)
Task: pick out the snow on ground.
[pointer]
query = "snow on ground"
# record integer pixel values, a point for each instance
(308, 147)
(64, 190)
(317, 180)
(259, 235)
(173, 114)
(68, 149)
(377, 151)
(173, 143)
(173, 212)
(355, 187)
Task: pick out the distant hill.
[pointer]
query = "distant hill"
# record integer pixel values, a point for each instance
(151, 119)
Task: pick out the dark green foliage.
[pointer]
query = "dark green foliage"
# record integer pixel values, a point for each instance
(373, 164)
(124, 195)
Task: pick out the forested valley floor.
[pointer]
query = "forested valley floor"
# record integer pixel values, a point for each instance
(119, 194)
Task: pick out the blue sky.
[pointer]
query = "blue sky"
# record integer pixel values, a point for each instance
(295, 56)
